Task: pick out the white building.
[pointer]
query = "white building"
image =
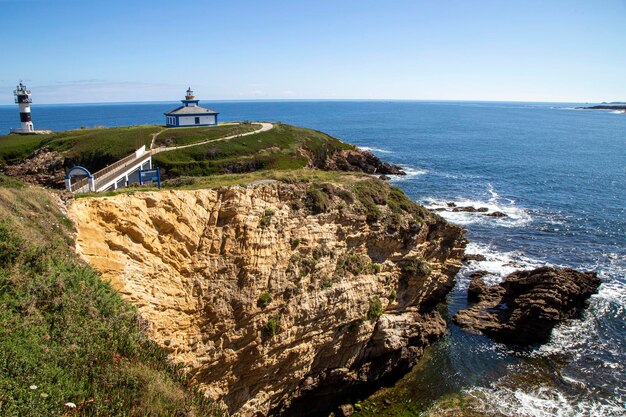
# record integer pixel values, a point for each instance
(190, 114)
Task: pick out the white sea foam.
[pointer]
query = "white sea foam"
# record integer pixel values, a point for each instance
(576, 337)
(515, 216)
(618, 112)
(497, 264)
(373, 149)
(541, 402)
(411, 173)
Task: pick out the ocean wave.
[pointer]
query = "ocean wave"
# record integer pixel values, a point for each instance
(497, 264)
(617, 112)
(541, 402)
(515, 216)
(373, 149)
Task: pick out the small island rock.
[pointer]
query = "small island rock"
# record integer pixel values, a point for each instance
(525, 307)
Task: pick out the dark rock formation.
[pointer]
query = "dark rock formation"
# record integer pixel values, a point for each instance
(42, 167)
(497, 214)
(525, 307)
(474, 257)
(470, 209)
(478, 274)
(384, 178)
(604, 107)
(359, 161)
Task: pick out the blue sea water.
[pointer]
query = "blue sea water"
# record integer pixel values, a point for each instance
(559, 174)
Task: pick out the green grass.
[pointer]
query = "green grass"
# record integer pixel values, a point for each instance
(189, 135)
(281, 148)
(16, 147)
(66, 335)
(92, 148)
(297, 175)
(375, 310)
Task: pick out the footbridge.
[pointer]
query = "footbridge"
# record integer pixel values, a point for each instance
(119, 174)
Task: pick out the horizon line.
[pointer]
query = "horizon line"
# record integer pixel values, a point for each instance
(322, 99)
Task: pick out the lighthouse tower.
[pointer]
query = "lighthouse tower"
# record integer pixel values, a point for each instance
(23, 100)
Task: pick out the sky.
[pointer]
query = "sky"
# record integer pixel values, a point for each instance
(75, 51)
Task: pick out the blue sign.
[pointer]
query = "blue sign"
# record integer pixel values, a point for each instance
(150, 175)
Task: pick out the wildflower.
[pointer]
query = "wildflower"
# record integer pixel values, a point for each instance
(70, 405)
(43, 395)
(33, 387)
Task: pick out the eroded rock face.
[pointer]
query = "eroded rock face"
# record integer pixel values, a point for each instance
(42, 167)
(525, 307)
(266, 304)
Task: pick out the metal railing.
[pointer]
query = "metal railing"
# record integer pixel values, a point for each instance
(111, 172)
(76, 186)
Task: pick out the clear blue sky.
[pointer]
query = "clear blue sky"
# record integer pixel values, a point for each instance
(97, 51)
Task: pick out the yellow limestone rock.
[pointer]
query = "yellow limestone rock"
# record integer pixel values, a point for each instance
(263, 301)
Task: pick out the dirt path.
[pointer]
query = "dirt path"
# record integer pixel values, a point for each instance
(264, 128)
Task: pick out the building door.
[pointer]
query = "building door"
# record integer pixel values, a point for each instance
(197, 120)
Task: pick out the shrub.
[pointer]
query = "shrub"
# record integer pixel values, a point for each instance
(355, 263)
(376, 268)
(416, 267)
(376, 309)
(317, 201)
(295, 243)
(266, 219)
(321, 251)
(264, 300)
(392, 296)
(271, 327)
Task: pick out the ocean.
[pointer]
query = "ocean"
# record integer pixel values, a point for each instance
(559, 174)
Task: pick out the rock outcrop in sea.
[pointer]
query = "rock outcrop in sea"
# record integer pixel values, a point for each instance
(355, 160)
(526, 305)
(272, 297)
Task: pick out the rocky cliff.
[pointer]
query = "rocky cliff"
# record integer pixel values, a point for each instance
(273, 295)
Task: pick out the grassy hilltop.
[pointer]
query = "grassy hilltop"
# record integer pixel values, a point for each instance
(284, 147)
(95, 148)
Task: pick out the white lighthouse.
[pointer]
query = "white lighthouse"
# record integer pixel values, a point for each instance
(23, 100)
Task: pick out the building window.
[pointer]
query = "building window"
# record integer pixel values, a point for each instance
(197, 120)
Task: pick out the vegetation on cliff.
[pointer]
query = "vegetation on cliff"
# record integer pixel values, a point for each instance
(65, 335)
